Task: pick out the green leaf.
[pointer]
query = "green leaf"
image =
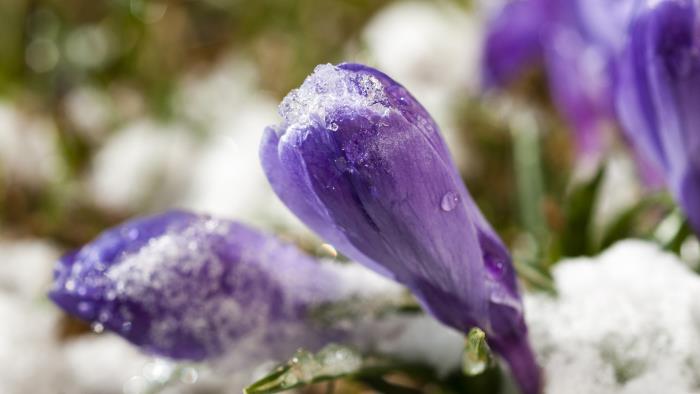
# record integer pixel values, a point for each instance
(528, 173)
(477, 355)
(331, 362)
(673, 231)
(576, 238)
(535, 277)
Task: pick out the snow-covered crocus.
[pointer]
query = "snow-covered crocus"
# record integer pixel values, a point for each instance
(658, 97)
(363, 164)
(193, 287)
(575, 41)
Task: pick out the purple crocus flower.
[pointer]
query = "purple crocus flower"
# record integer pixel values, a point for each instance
(658, 96)
(193, 287)
(363, 164)
(575, 40)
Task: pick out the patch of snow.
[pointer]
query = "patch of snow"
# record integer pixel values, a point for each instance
(101, 363)
(627, 321)
(330, 87)
(29, 354)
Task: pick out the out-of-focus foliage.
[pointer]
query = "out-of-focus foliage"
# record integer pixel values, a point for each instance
(134, 51)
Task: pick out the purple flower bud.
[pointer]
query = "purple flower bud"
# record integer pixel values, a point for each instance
(575, 40)
(363, 164)
(193, 287)
(658, 96)
(514, 41)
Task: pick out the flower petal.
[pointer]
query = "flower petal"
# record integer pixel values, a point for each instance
(187, 286)
(361, 161)
(659, 95)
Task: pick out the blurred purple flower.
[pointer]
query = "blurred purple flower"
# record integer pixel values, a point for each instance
(363, 164)
(575, 40)
(658, 96)
(193, 287)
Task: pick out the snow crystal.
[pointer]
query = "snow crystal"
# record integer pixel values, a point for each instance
(162, 275)
(626, 321)
(328, 88)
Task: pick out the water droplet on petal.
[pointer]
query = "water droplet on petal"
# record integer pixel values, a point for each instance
(494, 266)
(449, 201)
(333, 127)
(341, 163)
(70, 285)
(126, 326)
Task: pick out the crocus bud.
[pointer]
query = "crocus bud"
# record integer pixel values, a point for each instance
(514, 41)
(575, 40)
(363, 164)
(658, 96)
(193, 287)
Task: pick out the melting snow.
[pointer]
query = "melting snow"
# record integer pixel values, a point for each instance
(627, 321)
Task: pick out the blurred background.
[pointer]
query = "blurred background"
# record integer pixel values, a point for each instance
(116, 108)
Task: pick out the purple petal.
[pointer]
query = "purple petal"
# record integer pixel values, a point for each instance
(364, 165)
(514, 41)
(576, 41)
(659, 95)
(192, 287)
(578, 78)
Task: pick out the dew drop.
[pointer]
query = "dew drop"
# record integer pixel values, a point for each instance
(341, 164)
(494, 266)
(333, 127)
(97, 327)
(449, 201)
(70, 285)
(189, 375)
(126, 326)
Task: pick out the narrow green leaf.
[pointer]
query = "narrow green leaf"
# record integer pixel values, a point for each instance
(576, 239)
(528, 172)
(331, 362)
